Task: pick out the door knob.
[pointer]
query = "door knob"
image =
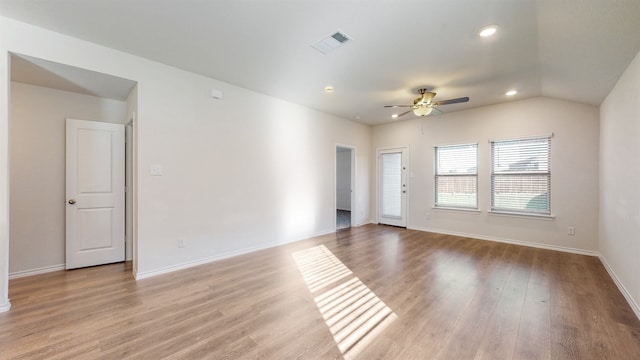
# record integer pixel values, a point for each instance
(72, 201)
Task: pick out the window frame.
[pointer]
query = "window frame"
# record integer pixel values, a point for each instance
(436, 175)
(530, 173)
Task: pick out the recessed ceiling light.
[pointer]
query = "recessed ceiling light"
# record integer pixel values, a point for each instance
(488, 30)
(394, 116)
(511, 92)
(328, 89)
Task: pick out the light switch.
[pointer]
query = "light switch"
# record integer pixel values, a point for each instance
(156, 170)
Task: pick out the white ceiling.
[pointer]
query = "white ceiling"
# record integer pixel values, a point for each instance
(568, 49)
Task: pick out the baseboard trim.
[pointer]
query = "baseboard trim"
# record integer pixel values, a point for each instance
(509, 241)
(227, 255)
(5, 307)
(627, 295)
(42, 270)
(623, 290)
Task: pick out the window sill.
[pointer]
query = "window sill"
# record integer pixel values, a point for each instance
(523, 215)
(454, 209)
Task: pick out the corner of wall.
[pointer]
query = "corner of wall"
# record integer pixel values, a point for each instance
(4, 170)
(5, 307)
(627, 295)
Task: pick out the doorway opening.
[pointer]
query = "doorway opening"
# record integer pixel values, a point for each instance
(43, 94)
(345, 187)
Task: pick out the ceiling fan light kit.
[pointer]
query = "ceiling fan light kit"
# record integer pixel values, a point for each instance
(488, 31)
(424, 105)
(422, 110)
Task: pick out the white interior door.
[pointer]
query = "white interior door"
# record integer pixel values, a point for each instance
(392, 187)
(95, 193)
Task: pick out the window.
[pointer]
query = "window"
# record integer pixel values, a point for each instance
(520, 176)
(456, 176)
(391, 184)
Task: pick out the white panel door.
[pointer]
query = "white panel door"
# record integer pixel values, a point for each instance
(392, 187)
(95, 193)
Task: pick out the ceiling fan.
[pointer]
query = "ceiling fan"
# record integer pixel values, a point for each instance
(424, 105)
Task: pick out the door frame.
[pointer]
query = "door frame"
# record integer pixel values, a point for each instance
(353, 151)
(405, 151)
(128, 183)
(131, 182)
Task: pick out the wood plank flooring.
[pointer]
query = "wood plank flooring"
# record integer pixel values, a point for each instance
(452, 298)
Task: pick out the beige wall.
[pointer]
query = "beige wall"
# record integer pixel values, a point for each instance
(37, 167)
(620, 182)
(4, 167)
(574, 170)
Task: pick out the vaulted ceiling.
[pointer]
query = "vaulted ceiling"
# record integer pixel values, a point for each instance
(567, 49)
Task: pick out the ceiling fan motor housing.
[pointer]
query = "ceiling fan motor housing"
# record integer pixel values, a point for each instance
(426, 97)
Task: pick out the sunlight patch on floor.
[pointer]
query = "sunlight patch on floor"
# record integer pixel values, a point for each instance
(354, 314)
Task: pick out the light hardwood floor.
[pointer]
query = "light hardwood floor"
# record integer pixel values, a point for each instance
(451, 298)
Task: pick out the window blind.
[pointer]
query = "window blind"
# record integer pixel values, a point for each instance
(521, 176)
(456, 176)
(391, 201)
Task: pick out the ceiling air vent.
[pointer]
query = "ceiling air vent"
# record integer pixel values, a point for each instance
(331, 42)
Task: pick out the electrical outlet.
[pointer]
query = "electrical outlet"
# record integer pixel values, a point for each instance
(156, 170)
(182, 243)
(571, 231)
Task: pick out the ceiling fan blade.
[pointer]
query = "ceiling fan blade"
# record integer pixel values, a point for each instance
(405, 113)
(395, 106)
(452, 101)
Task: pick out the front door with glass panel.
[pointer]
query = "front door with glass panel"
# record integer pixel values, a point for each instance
(392, 187)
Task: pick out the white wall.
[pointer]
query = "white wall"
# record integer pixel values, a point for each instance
(37, 167)
(273, 170)
(343, 179)
(225, 164)
(620, 180)
(574, 169)
(4, 167)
